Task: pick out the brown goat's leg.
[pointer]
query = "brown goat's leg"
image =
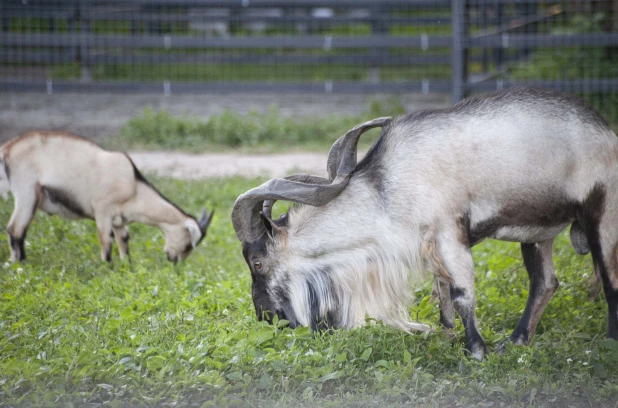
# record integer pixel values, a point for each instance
(122, 239)
(26, 202)
(104, 227)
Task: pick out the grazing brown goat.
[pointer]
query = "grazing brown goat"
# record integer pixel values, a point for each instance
(67, 175)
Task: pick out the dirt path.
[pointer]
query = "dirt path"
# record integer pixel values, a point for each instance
(198, 166)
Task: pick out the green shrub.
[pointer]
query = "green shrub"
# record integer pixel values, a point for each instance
(254, 131)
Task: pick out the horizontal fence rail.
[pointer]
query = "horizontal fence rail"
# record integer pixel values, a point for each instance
(169, 42)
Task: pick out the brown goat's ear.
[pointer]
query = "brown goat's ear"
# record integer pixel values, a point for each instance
(271, 228)
(194, 231)
(204, 220)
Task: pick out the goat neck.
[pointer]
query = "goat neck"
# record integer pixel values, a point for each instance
(149, 207)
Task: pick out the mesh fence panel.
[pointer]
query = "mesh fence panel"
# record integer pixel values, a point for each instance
(175, 46)
(570, 46)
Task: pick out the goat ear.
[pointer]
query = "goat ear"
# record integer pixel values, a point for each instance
(194, 231)
(271, 228)
(204, 220)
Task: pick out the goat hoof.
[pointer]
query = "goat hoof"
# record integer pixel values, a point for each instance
(476, 351)
(520, 340)
(451, 333)
(594, 291)
(501, 349)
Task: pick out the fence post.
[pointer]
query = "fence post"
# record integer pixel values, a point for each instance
(84, 39)
(459, 49)
(483, 10)
(498, 51)
(378, 54)
(5, 21)
(71, 22)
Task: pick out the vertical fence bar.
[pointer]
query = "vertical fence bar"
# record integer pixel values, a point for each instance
(483, 11)
(84, 47)
(458, 50)
(378, 27)
(499, 52)
(71, 26)
(4, 21)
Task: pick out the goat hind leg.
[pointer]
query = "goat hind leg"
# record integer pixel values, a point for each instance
(122, 240)
(606, 265)
(26, 203)
(106, 235)
(442, 291)
(599, 220)
(543, 285)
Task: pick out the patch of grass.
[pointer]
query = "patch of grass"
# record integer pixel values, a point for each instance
(255, 131)
(147, 333)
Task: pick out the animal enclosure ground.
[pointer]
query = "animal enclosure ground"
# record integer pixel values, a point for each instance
(148, 333)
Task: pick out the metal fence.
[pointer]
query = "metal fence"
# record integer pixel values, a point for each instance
(175, 46)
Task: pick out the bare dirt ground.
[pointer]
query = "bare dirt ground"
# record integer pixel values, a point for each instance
(199, 166)
(98, 116)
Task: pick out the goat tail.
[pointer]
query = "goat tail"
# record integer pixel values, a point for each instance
(4, 172)
(4, 148)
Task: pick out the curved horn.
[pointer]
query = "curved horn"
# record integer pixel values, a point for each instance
(304, 189)
(245, 215)
(332, 164)
(267, 207)
(335, 154)
(204, 220)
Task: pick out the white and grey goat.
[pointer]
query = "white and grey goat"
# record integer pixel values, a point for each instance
(519, 165)
(67, 175)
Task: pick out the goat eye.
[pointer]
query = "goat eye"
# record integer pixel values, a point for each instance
(257, 265)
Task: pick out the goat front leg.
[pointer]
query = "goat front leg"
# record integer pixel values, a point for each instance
(457, 259)
(543, 285)
(106, 234)
(442, 291)
(122, 239)
(26, 203)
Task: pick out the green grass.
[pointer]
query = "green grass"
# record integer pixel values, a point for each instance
(255, 132)
(77, 332)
